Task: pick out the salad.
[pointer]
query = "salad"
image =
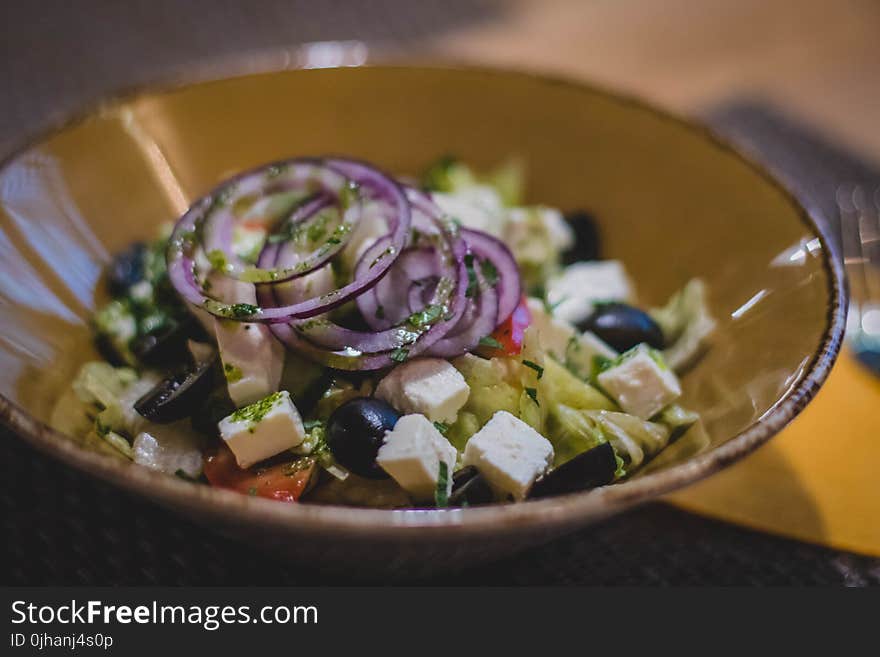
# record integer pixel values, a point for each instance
(315, 330)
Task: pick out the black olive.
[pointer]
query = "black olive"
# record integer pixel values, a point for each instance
(109, 351)
(355, 432)
(217, 406)
(595, 467)
(126, 269)
(623, 327)
(178, 396)
(167, 346)
(470, 488)
(586, 238)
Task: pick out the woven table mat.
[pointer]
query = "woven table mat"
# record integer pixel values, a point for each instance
(60, 527)
(63, 528)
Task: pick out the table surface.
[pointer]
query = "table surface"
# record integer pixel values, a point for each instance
(818, 64)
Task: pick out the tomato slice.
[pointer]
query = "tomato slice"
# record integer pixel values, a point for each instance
(509, 334)
(284, 481)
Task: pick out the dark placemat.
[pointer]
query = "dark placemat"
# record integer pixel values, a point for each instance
(61, 527)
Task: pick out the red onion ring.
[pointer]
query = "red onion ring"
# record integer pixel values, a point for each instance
(181, 263)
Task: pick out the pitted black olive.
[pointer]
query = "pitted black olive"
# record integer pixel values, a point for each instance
(470, 488)
(167, 346)
(126, 269)
(586, 238)
(590, 469)
(179, 395)
(355, 432)
(209, 413)
(623, 327)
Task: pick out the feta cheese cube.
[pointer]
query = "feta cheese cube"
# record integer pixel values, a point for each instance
(430, 386)
(574, 292)
(412, 453)
(509, 453)
(563, 341)
(641, 382)
(263, 429)
(252, 357)
(169, 448)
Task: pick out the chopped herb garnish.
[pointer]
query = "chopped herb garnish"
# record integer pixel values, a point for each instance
(442, 427)
(472, 276)
(232, 372)
(256, 411)
(534, 366)
(489, 341)
(430, 314)
(533, 393)
(242, 310)
(599, 365)
(490, 272)
(308, 425)
(399, 355)
(441, 495)
(252, 491)
(217, 259)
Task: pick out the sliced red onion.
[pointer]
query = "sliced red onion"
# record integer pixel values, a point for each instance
(508, 285)
(371, 182)
(351, 350)
(479, 320)
(410, 285)
(385, 305)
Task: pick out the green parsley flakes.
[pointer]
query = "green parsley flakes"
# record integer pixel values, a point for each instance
(441, 494)
(534, 366)
(489, 341)
(232, 373)
(533, 393)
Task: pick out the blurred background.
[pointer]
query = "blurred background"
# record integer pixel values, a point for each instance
(796, 82)
(816, 58)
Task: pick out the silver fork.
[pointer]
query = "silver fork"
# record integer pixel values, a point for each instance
(860, 233)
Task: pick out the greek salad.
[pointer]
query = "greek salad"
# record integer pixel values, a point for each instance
(316, 330)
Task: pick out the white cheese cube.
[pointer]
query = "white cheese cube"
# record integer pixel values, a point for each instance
(509, 453)
(641, 383)
(429, 386)
(169, 448)
(252, 357)
(563, 341)
(412, 453)
(574, 292)
(263, 429)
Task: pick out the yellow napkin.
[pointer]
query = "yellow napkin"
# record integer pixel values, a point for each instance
(818, 480)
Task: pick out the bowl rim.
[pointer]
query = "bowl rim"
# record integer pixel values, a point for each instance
(433, 524)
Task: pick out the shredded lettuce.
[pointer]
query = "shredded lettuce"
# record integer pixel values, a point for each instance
(99, 406)
(687, 324)
(449, 175)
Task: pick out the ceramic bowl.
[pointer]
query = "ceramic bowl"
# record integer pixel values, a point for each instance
(673, 202)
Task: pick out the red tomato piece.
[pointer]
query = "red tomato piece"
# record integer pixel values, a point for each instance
(284, 481)
(509, 333)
